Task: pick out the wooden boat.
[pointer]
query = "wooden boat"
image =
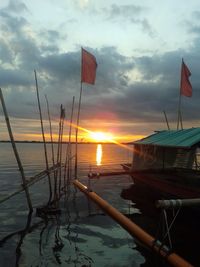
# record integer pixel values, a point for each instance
(164, 166)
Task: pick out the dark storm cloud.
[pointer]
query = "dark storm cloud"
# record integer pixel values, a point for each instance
(132, 13)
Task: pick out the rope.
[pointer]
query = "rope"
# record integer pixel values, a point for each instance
(158, 243)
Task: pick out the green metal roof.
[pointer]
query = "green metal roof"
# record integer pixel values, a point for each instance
(185, 138)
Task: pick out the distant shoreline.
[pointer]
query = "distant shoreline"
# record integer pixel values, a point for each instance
(55, 142)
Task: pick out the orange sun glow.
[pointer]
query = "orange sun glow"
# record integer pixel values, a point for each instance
(100, 136)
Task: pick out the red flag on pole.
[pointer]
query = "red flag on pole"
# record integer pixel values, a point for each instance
(186, 87)
(88, 68)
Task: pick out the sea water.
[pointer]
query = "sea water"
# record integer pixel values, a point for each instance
(82, 235)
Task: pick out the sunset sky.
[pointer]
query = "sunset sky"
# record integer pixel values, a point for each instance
(138, 46)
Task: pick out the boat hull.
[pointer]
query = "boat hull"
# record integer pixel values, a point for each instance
(150, 186)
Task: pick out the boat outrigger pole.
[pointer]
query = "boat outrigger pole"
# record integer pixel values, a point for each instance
(177, 203)
(133, 229)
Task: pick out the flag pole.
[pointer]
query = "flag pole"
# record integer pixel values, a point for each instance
(179, 111)
(88, 73)
(77, 125)
(179, 120)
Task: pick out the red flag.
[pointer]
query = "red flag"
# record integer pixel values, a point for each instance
(88, 69)
(186, 87)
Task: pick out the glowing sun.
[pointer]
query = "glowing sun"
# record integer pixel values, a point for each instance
(100, 136)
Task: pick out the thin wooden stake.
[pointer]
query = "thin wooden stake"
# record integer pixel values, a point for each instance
(44, 141)
(68, 150)
(58, 156)
(50, 129)
(166, 119)
(16, 152)
(51, 136)
(77, 125)
(61, 140)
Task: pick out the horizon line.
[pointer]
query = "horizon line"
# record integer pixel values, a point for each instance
(56, 142)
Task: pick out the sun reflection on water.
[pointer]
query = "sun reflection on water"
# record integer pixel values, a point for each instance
(99, 154)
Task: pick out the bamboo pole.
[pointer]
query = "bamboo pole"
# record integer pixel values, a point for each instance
(181, 120)
(57, 160)
(179, 107)
(92, 175)
(77, 125)
(61, 140)
(58, 157)
(137, 232)
(16, 152)
(43, 136)
(50, 129)
(51, 135)
(177, 203)
(68, 150)
(31, 181)
(166, 119)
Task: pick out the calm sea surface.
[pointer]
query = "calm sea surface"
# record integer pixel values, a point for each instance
(82, 235)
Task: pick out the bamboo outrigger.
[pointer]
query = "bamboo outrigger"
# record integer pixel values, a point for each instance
(177, 203)
(133, 229)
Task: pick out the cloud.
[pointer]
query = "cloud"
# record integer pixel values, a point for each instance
(116, 96)
(16, 6)
(14, 77)
(132, 13)
(131, 90)
(82, 3)
(125, 11)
